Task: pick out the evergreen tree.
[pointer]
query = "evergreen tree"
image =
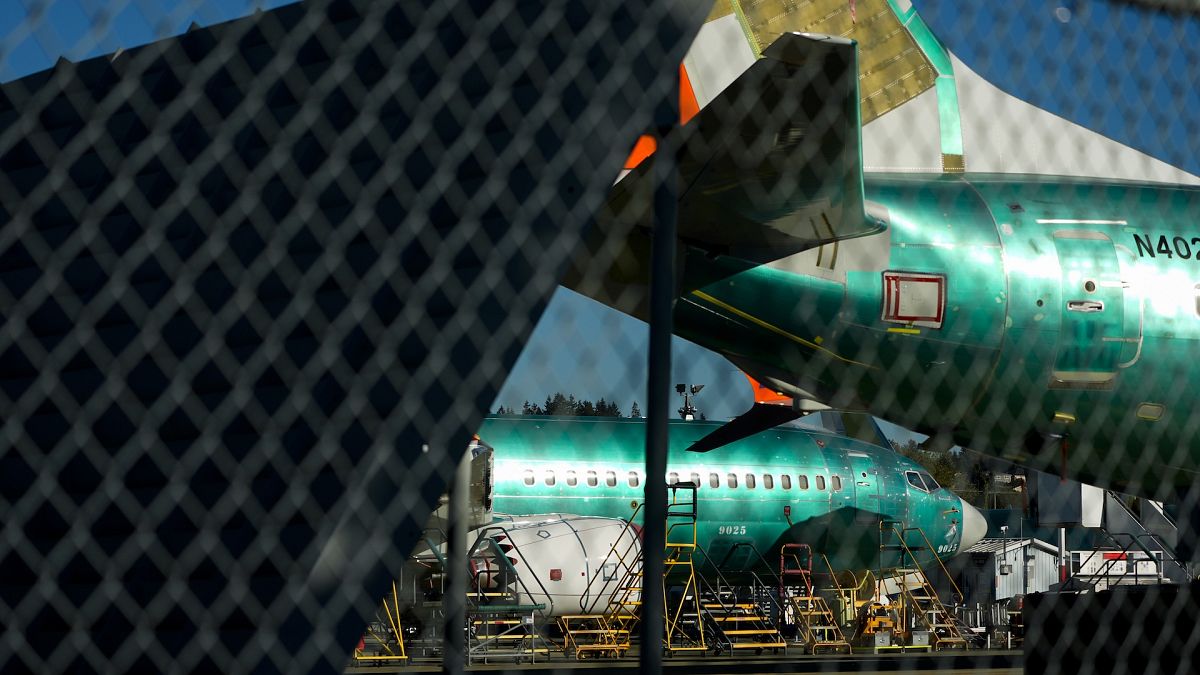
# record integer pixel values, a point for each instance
(635, 411)
(559, 405)
(607, 408)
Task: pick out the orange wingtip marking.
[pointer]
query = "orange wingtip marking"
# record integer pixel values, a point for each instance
(765, 395)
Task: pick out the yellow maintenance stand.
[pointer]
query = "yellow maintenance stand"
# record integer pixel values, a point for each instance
(920, 606)
(818, 627)
(607, 633)
(384, 640)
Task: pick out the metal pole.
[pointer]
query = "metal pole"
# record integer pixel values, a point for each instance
(1025, 548)
(662, 296)
(454, 647)
(1062, 555)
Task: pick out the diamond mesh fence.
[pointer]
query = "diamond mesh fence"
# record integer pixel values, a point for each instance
(265, 273)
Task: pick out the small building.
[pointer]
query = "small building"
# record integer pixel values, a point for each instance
(998, 569)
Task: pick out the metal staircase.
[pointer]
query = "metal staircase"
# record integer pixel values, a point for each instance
(587, 635)
(502, 622)
(817, 626)
(921, 605)
(606, 621)
(383, 642)
(1152, 532)
(605, 627)
(684, 629)
(743, 616)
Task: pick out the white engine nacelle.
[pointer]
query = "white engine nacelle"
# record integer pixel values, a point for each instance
(571, 564)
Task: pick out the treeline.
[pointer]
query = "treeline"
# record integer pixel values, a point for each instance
(569, 406)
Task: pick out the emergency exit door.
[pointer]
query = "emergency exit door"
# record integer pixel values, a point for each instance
(1092, 311)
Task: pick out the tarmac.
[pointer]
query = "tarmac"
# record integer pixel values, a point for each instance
(974, 662)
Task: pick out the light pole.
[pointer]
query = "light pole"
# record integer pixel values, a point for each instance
(688, 411)
(1003, 554)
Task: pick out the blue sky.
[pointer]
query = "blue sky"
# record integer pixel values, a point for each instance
(1120, 69)
(1129, 73)
(34, 34)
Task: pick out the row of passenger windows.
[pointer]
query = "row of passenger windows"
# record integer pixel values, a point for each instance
(748, 480)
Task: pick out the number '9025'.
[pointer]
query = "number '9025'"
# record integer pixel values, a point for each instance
(731, 529)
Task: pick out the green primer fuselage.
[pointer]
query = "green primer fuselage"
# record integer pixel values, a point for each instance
(1071, 309)
(533, 451)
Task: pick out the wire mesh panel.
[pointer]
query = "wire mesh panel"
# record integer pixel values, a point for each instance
(261, 281)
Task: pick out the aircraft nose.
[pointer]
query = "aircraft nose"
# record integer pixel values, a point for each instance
(974, 526)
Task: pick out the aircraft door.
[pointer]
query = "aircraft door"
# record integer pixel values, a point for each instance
(873, 496)
(1092, 320)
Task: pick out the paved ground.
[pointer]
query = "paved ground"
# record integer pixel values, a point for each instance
(973, 662)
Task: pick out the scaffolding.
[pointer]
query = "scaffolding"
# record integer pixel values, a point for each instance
(920, 605)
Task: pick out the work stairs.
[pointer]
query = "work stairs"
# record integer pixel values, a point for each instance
(604, 627)
(1151, 531)
(383, 642)
(743, 616)
(922, 608)
(817, 626)
(684, 630)
(608, 625)
(502, 622)
(735, 626)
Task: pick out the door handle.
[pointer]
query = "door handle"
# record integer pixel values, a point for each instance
(1085, 306)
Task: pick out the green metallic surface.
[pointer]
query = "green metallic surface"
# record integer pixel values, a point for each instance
(949, 121)
(842, 524)
(1010, 356)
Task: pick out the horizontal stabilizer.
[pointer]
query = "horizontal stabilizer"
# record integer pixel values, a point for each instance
(760, 417)
(773, 165)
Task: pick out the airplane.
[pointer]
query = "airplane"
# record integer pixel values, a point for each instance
(1043, 318)
(577, 480)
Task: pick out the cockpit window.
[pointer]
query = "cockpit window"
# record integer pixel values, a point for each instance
(930, 483)
(914, 479)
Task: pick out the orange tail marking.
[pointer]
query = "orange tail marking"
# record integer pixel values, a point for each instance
(688, 108)
(764, 395)
(645, 146)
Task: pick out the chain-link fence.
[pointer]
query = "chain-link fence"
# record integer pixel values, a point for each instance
(264, 273)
